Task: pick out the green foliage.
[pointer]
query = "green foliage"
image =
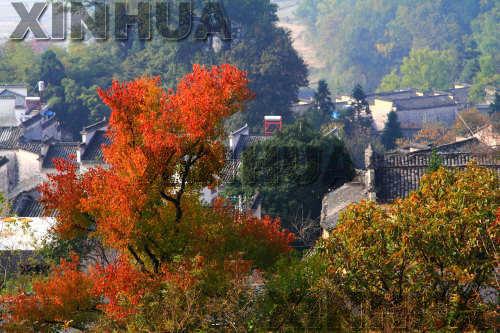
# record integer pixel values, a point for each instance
(51, 69)
(258, 46)
(485, 32)
(293, 301)
(366, 41)
(292, 171)
(435, 162)
(323, 100)
(425, 70)
(392, 131)
(357, 126)
(18, 64)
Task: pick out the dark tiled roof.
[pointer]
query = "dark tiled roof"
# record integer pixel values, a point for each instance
(9, 94)
(32, 146)
(93, 151)
(245, 142)
(392, 95)
(33, 120)
(337, 200)
(423, 102)
(467, 145)
(59, 150)
(96, 126)
(38, 117)
(230, 170)
(27, 205)
(11, 138)
(49, 122)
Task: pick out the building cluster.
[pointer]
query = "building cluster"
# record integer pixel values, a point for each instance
(415, 109)
(30, 140)
(395, 174)
(388, 177)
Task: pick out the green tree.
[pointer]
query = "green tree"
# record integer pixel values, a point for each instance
(51, 69)
(485, 34)
(292, 171)
(390, 82)
(323, 100)
(392, 131)
(18, 64)
(435, 162)
(363, 41)
(426, 69)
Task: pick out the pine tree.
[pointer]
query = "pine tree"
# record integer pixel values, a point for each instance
(323, 100)
(51, 69)
(392, 131)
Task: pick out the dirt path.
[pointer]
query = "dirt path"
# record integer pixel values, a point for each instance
(301, 41)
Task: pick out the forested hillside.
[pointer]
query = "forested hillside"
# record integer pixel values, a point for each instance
(387, 44)
(73, 73)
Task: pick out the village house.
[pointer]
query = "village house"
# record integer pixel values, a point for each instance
(398, 173)
(27, 152)
(239, 141)
(413, 109)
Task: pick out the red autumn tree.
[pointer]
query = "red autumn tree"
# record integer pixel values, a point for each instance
(64, 298)
(144, 205)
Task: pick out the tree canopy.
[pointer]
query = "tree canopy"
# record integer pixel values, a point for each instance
(377, 43)
(392, 131)
(144, 211)
(424, 262)
(257, 46)
(292, 171)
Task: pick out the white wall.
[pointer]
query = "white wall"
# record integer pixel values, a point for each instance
(4, 179)
(380, 109)
(8, 115)
(28, 164)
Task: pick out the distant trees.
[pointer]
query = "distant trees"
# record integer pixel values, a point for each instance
(357, 126)
(423, 69)
(19, 63)
(323, 100)
(367, 41)
(392, 131)
(321, 113)
(258, 46)
(51, 69)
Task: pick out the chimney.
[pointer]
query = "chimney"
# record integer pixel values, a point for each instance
(41, 89)
(272, 124)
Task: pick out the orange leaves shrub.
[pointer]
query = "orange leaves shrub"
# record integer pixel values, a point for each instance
(265, 238)
(63, 192)
(66, 296)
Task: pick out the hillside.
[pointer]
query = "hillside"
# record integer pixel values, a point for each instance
(390, 44)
